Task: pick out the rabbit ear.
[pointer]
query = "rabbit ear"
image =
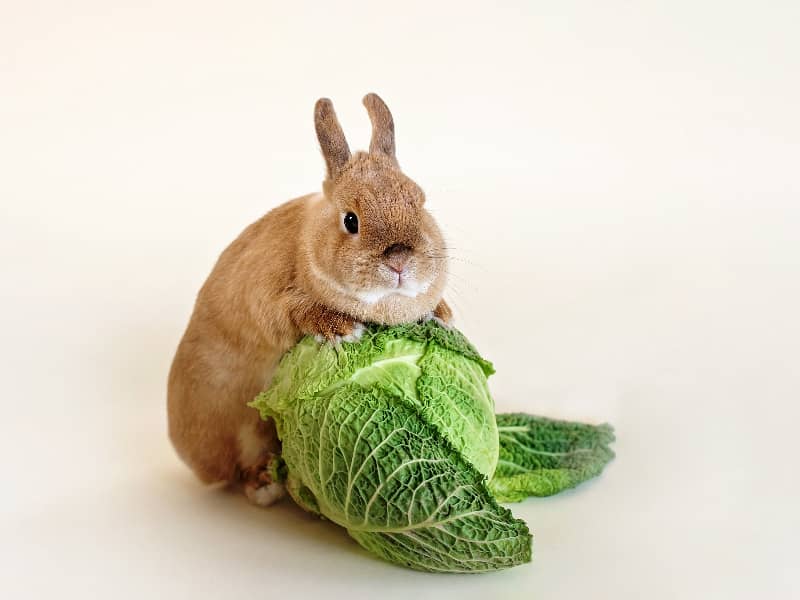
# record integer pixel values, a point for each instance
(331, 137)
(382, 126)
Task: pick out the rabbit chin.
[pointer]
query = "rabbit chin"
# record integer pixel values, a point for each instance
(410, 289)
(393, 308)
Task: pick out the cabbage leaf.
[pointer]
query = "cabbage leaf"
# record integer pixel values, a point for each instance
(541, 457)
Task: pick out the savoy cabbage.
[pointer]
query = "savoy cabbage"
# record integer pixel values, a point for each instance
(394, 437)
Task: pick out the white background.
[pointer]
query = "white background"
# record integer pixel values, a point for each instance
(619, 181)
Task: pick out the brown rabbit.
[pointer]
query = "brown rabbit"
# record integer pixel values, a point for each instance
(363, 250)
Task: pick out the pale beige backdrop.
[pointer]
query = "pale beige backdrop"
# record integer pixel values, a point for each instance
(619, 181)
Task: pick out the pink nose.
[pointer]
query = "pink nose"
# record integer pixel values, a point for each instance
(397, 263)
(396, 257)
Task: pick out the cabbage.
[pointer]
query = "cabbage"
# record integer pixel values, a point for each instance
(394, 438)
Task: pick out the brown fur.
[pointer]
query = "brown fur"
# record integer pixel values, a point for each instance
(293, 272)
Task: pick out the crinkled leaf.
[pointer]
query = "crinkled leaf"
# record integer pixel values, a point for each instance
(541, 457)
(453, 395)
(430, 367)
(310, 367)
(370, 464)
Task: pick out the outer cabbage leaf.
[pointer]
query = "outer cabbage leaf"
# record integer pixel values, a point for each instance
(369, 463)
(453, 395)
(541, 457)
(432, 368)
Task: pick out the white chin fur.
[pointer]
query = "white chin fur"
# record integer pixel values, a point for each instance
(410, 289)
(372, 297)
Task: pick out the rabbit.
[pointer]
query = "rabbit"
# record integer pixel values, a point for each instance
(364, 249)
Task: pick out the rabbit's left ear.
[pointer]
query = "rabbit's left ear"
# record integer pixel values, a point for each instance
(382, 126)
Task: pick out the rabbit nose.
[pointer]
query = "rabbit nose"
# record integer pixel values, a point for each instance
(397, 256)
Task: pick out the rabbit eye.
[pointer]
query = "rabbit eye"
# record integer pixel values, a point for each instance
(351, 222)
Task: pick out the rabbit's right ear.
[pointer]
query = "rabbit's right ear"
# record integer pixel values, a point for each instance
(331, 138)
(382, 126)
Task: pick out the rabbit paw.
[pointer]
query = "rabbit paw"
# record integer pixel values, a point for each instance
(261, 485)
(329, 325)
(265, 495)
(441, 314)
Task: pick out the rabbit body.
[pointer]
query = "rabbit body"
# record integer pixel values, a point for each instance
(362, 250)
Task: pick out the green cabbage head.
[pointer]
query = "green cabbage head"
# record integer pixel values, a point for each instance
(394, 437)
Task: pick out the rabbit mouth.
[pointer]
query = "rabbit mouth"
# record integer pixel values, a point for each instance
(405, 286)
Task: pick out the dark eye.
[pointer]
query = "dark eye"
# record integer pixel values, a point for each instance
(351, 222)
